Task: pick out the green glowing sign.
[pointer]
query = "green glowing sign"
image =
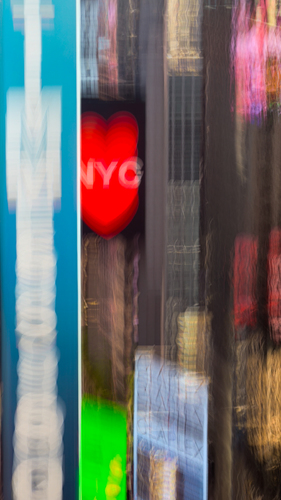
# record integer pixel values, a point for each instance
(103, 451)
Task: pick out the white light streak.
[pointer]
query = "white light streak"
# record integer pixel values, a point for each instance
(33, 169)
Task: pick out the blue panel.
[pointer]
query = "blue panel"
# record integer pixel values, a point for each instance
(58, 69)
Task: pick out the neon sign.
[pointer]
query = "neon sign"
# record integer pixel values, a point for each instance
(256, 58)
(110, 172)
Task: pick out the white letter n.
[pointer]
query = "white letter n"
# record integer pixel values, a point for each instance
(87, 174)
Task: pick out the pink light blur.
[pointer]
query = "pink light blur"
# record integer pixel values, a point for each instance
(256, 57)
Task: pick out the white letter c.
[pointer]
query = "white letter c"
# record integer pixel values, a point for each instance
(134, 164)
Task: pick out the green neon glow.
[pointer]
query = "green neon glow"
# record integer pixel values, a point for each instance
(103, 450)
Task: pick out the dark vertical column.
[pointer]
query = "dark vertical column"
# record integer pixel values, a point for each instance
(153, 249)
(219, 201)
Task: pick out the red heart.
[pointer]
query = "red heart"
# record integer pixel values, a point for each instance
(108, 209)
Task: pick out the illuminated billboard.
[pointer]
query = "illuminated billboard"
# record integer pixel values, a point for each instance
(110, 172)
(39, 258)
